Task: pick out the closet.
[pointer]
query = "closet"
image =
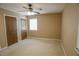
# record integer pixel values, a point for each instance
(11, 30)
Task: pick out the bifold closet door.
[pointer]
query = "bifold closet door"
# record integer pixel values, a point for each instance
(11, 30)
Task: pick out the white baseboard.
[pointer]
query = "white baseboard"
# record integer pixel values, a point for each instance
(63, 47)
(42, 38)
(2, 48)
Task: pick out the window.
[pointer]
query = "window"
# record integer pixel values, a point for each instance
(33, 24)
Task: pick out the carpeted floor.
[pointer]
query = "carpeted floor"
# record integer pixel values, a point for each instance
(34, 47)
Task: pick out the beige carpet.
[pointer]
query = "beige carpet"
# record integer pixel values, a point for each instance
(34, 47)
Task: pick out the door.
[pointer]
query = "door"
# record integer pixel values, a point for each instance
(11, 30)
(23, 29)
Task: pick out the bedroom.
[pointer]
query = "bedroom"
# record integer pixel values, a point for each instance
(51, 30)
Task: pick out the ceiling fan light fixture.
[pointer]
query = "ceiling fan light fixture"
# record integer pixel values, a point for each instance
(31, 13)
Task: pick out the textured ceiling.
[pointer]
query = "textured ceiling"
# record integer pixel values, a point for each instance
(46, 7)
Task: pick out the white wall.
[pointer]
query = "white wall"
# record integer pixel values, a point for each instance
(69, 28)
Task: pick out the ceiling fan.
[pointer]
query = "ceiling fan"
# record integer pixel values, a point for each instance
(31, 9)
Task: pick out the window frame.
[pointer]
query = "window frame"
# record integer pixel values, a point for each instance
(36, 24)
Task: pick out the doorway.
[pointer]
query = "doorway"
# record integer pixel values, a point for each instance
(23, 29)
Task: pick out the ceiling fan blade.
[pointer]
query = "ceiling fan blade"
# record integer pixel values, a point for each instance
(22, 11)
(25, 7)
(39, 9)
(36, 12)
